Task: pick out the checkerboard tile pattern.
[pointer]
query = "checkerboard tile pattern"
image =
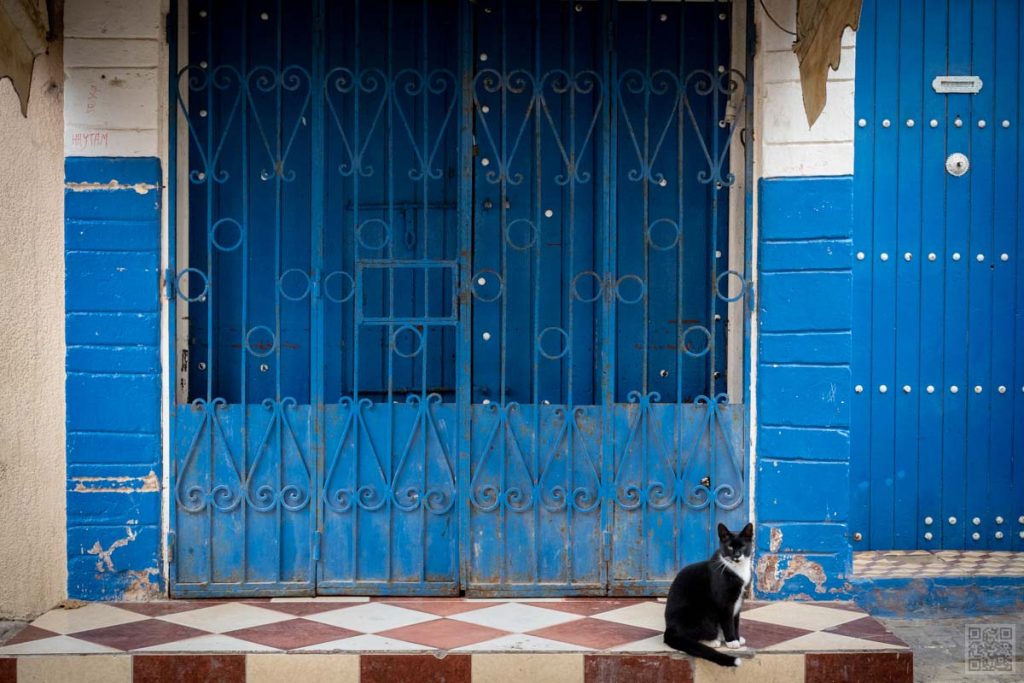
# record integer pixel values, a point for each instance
(571, 625)
(902, 564)
(586, 639)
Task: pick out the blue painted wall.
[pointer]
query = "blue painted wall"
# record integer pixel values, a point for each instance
(802, 493)
(112, 322)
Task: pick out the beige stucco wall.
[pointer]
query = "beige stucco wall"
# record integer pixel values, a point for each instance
(32, 534)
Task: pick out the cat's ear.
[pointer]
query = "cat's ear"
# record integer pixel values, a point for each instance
(748, 531)
(723, 532)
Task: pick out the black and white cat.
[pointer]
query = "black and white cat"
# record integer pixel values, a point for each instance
(703, 607)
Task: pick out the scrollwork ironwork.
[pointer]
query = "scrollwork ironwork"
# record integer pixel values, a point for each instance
(729, 84)
(354, 430)
(345, 81)
(643, 489)
(513, 83)
(517, 496)
(435, 499)
(223, 497)
(269, 496)
(566, 493)
(417, 84)
(724, 496)
(290, 79)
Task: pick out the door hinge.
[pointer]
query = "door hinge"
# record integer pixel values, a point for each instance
(170, 547)
(316, 545)
(168, 284)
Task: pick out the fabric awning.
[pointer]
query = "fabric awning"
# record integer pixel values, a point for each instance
(818, 47)
(24, 29)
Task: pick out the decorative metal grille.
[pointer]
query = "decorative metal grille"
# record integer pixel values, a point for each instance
(454, 292)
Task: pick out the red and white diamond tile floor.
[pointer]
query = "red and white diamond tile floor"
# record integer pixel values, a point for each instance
(426, 625)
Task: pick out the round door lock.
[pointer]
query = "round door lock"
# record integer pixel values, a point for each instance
(957, 164)
(858, 536)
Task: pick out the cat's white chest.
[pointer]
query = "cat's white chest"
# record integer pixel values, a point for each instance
(740, 569)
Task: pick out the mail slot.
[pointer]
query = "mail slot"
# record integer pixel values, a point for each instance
(957, 85)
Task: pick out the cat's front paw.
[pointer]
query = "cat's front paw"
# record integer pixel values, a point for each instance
(743, 641)
(734, 644)
(712, 643)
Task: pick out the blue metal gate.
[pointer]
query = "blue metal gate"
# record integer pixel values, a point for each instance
(938, 414)
(452, 293)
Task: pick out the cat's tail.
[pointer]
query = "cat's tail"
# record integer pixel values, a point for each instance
(696, 648)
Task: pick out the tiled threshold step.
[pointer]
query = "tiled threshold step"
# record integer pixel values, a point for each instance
(451, 640)
(923, 583)
(894, 564)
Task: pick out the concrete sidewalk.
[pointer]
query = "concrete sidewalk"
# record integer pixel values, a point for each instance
(939, 646)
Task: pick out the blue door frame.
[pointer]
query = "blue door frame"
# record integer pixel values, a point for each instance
(455, 288)
(938, 411)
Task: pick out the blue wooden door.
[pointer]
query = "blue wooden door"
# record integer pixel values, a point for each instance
(938, 419)
(453, 293)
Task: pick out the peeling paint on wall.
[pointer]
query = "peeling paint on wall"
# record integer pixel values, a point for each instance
(773, 571)
(112, 208)
(143, 585)
(938, 596)
(141, 188)
(104, 560)
(147, 484)
(803, 408)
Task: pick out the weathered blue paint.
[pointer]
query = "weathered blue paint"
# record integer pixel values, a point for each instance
(112, 287)
(797, 442)
(937, 324)
(823, 501)
(443, 330)
(803, 387)
(804, 537)
(932, 597)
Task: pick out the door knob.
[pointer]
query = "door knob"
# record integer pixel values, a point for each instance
(957, 164)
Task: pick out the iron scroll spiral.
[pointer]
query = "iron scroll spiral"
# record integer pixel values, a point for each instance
(725, 496)
(366, 497)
